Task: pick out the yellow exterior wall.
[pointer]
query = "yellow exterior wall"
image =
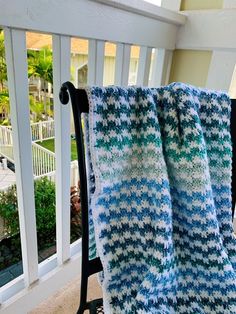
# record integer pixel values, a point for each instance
(109, 71)
(190, 66)
(201, 4)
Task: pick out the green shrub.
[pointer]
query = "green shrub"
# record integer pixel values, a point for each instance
(45, 211)
(8, 210)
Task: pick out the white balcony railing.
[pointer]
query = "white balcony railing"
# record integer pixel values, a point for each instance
(123, 22)
(43, 159)
(6, 143)
(42, 130)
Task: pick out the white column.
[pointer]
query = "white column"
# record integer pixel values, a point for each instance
(96, 62)
(17, 72)
(221, 70)
(122, 64)
(161, 67)
(144, 66)
(61, 74)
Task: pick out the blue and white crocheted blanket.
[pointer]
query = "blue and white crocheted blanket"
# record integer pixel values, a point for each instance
(161, 207)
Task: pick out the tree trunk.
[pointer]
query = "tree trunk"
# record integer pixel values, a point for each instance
(44, 98)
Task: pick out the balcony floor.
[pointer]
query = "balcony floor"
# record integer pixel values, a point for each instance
(66, 300)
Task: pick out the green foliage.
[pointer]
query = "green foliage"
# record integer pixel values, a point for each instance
(45, 211)
(74, 155)
(4, 103)
(5, 122)
(49, 144)
(36, 109)
(40, 64)
(8, 210)
(3, 67)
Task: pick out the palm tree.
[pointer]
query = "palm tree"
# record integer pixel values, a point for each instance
(4, 107)
(4, 96)
(40, 65)
(3, 67)
(36, 109)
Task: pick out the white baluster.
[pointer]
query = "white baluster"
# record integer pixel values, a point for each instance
(96, 62)
(17, 72)
(161, 67)
(122, 64)
(61, 73)
(144, 66)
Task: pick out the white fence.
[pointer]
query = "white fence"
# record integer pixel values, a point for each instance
(74, 174)
(42, 130)
(5, 135)
(6, 143)
(43, 159)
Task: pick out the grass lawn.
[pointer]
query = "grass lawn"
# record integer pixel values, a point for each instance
(49, 144)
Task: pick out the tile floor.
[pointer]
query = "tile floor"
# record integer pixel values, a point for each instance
(66, 300)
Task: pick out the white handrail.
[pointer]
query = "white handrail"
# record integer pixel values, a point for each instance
(42, 130)
(5, 135)
(6, 143)
(43, 160)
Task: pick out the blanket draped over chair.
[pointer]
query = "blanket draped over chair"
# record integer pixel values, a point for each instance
(161, 208)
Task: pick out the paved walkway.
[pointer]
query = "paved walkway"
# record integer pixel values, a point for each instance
(7, 178)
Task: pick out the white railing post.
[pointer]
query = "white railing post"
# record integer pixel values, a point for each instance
(144, 66)
(161, 67)
(74, 173)
(40, 131)
(17, 70)
(61, 73)
(96, 62)
(122, 64)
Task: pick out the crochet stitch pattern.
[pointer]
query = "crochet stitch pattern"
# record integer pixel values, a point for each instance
(162, 202)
